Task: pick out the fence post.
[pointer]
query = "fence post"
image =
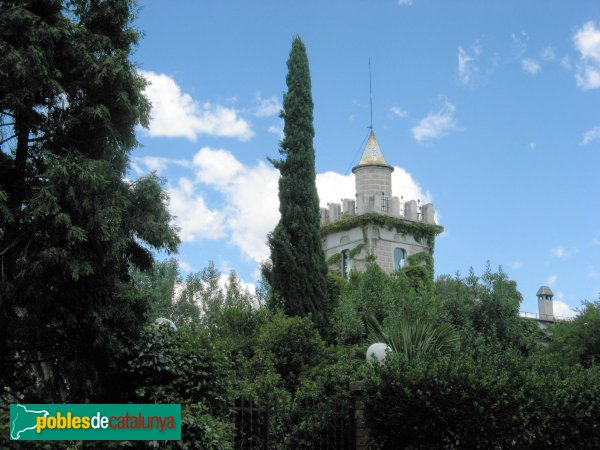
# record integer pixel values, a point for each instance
(267, 428)
(361, 432)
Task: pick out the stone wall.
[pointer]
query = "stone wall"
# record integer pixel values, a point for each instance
(379, 241)
(372, 180)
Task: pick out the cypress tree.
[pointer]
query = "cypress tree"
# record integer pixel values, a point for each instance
(299, 272)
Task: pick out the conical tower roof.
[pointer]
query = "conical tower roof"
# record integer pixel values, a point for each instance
(372, 153)
(544, 290)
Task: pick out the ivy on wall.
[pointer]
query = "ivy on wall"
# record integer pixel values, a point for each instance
(336, 258)
(356, 250)
(418, 230)
(420, 258)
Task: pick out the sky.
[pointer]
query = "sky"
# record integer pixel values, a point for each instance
(490, 110)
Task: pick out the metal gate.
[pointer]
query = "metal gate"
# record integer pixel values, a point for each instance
(277, 425)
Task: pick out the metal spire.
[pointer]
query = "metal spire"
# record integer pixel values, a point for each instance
(370, 96)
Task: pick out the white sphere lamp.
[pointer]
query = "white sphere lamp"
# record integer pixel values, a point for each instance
(377, 352)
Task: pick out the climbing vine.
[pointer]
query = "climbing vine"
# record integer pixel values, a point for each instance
(356, 250)
(336, 258)
(418, 230)
(421, 258)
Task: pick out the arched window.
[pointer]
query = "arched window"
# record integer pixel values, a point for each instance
(399, 258)
(346, 263)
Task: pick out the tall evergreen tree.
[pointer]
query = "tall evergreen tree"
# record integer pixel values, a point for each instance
(71, 226)
(299, 273)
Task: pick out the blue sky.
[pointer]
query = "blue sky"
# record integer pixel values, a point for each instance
(489, 109)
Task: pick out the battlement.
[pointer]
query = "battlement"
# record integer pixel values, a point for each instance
(379, 203)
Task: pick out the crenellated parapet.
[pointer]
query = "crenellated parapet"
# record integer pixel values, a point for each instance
(411, 210)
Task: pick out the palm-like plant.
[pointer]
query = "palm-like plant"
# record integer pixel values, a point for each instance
(414, 339)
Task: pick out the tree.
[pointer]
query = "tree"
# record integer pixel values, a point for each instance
(292, 344)
(71, 225)
(299, 271)
(578, 340)
(486, 306)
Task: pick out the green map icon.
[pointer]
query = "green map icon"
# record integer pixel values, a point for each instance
(23, 420)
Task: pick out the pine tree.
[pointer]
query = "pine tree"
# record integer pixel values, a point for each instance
(299, 273)
(71, 226)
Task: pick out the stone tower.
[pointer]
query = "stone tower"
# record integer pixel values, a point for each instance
(375, 223)
(545, 309)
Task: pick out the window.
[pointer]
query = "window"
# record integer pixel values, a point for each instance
(399, 258)
(346, 263)
(385, 204)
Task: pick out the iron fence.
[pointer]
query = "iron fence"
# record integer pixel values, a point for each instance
(280, 425)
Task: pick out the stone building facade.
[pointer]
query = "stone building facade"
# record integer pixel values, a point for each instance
(375, 223)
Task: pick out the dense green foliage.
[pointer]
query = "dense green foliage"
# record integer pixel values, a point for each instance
(386, 298)
(291, 344)
(298, 273)
(578, 341)
(71, 226)
(492, 399)
(184, 367)
(501, 387)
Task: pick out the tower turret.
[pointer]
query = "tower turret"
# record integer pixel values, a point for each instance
(373, 175)
(546, 311)
(375, 224)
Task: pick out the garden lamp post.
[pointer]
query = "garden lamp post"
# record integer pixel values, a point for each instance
(377, 352)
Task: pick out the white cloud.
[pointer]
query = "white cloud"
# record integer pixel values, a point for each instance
(255, 209)
(520, 41)
(436, 125)
(560, 252)
(548, 54)
(398, 112)
(156, 163)
(216, 167)
(593, 134)
(250, 199)
(595, 241)
(530, 66)
(332, 187)
(192, 216)
(185, 266)
(273, 129)
(592, 272)
(472, 67)
(551, 280)
(515, 265)
(565, 62)
(267, 107)
(562, 310)
(176, 114)
(249, 205)
(404, 185)
(405, 2)
(224, 284)
(587, 42)
(466, 66)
